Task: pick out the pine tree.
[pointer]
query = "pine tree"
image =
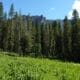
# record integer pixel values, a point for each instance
(29, 23)
(1, 10)
(11, 29)
(24, 36)
(1, 23)
(46, 39)
(36, 48)
(11, 13)
(42, 39)
(21, 33)
(16, 33)
(55, 34)
(75, 36)
(66, 38)
(51, 41)
(11, 35)
(30, 31)
(26, 44)
(4, 38)
(57, 40)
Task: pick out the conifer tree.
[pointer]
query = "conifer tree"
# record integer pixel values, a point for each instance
(4, 38)
(36, 39)
(16, 33)
(51, 41)
(1, 22)
(1, 9)
(11, 13)
(75, 35)
(46, 40)
(59, 41)
(29, 23)
(57, 34)
(11, 28)
(66, 38)
(42, 39)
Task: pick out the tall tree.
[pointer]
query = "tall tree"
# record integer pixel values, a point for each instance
(17, 33)
(25, 37)
(29, 23)
(1, 22)
(46, 39)
(75, 36)
(51, 41)
(36, 39)
(42, 39)
(57, 34)
(1, 9)
(11, 35)
(11, 28)
(66, 38)
(11, 12)
(26, 44)
(59, 41)
(4, 37)
(21, 33)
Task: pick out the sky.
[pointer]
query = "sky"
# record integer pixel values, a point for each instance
(51, 9)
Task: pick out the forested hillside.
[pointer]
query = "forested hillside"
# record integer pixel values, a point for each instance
(31, 38)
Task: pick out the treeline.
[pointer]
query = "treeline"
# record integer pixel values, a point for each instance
(36, 39)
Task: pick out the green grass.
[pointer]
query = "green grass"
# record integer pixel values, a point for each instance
(26, 68)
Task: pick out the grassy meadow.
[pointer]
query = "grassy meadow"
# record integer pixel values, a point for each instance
(26, 68)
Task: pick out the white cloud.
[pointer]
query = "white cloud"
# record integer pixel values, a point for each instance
(70, 14)
(76, 6)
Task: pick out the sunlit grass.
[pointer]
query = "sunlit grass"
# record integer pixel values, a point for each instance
(26, 68)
